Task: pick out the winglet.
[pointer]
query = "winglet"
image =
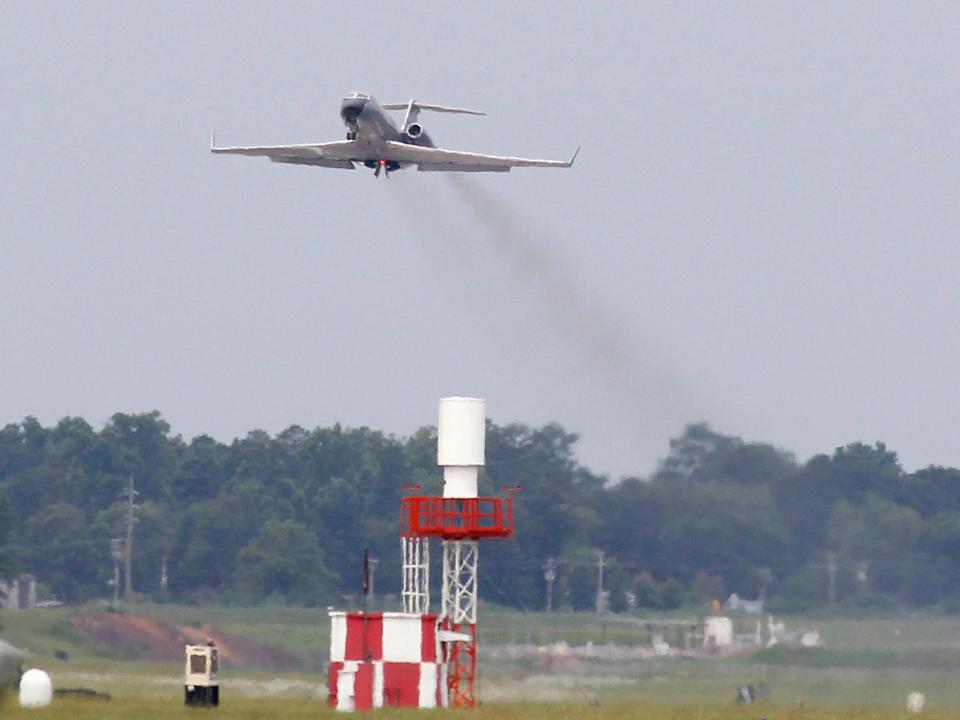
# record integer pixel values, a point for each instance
(213, 140)
(575, 153)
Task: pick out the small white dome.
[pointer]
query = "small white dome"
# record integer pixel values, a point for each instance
(916, 701)
(36, 689)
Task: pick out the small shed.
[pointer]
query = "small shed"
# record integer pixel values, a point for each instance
(201, 680)
(717, 631)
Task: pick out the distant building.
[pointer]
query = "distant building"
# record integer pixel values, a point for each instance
(750, 607)
(18, 594)
(717, 632)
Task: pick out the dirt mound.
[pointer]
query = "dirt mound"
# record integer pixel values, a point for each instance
(143, 638)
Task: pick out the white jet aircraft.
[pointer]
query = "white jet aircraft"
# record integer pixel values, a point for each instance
(375, 141)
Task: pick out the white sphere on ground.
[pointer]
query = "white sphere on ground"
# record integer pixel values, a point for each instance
(36, 689)
(916, 701)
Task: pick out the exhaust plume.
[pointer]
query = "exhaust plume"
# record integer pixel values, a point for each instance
(603, 344)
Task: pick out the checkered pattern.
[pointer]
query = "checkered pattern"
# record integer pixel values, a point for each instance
(379, 659)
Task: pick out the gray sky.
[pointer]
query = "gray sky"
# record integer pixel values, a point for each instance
(761, 229)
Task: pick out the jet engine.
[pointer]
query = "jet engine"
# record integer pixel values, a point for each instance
(414, 130)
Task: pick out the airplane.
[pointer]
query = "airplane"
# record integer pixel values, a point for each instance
(375, 141)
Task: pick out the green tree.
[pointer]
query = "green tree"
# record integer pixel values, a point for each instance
(67, 553)
(204, 551)
(200, 473)
(285, 559)
(140, 445)
(669, 594)
(579, 569)
(7, 524)
(617, 584)
(702, 455)
(931, 491)
(883, 534)
(730, 531)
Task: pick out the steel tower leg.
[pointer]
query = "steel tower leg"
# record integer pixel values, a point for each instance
(459, 598)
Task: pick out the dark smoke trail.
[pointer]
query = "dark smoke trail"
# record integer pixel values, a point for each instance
(576, 315)
(639, 390)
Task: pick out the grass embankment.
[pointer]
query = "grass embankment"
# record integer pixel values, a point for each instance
(305, 632)
(871, 662)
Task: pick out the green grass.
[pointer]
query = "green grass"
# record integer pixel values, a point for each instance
(299, 709)
(304, 632)
(894, 633)
(864, 663)
(932, 659)
(501, 626)
(45, 631)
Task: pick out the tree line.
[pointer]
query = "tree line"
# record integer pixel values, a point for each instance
(286, 518)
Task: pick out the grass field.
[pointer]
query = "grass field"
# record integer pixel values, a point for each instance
(305, 632)
(869, 663)
(295, 710)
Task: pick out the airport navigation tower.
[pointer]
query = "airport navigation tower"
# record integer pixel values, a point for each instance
(460, 519)
(416, 658)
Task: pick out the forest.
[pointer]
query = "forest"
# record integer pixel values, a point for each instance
(286, 518)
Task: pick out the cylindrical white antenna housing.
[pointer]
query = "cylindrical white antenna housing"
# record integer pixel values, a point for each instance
(461, 440)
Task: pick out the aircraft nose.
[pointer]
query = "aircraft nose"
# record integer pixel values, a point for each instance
(351, 108)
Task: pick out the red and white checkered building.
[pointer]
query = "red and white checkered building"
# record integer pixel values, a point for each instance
(385, 659)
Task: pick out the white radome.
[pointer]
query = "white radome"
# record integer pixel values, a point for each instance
(461, 438)
(916, 701)
(36, 689)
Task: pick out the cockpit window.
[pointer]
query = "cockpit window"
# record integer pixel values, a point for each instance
(360, 95)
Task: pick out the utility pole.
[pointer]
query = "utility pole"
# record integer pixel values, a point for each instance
(550, 574)
(832, 577)
(128, 546)
(373, 572)
(116, 552)
(600, 565)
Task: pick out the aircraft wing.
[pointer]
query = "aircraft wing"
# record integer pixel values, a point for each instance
(337, 154)
(430, 159)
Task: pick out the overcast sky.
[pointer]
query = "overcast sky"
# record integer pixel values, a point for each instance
(762, 229)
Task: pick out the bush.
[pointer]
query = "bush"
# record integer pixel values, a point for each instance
(670, 595)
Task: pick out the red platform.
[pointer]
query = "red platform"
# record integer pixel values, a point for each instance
(457, 518)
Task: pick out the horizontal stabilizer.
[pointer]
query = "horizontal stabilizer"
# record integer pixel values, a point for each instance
(434, 108)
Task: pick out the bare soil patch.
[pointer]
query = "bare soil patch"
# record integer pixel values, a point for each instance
(143, 638)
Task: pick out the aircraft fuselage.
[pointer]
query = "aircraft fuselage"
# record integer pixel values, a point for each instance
(370, 125)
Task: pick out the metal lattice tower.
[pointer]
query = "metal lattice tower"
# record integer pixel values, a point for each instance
(460, 519)
(459, 608)
(416, 574)
(459, 593)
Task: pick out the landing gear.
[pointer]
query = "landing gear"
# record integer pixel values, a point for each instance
(351, 135)
(385, 166)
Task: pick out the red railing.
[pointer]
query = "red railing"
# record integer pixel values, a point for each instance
(457, 518)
